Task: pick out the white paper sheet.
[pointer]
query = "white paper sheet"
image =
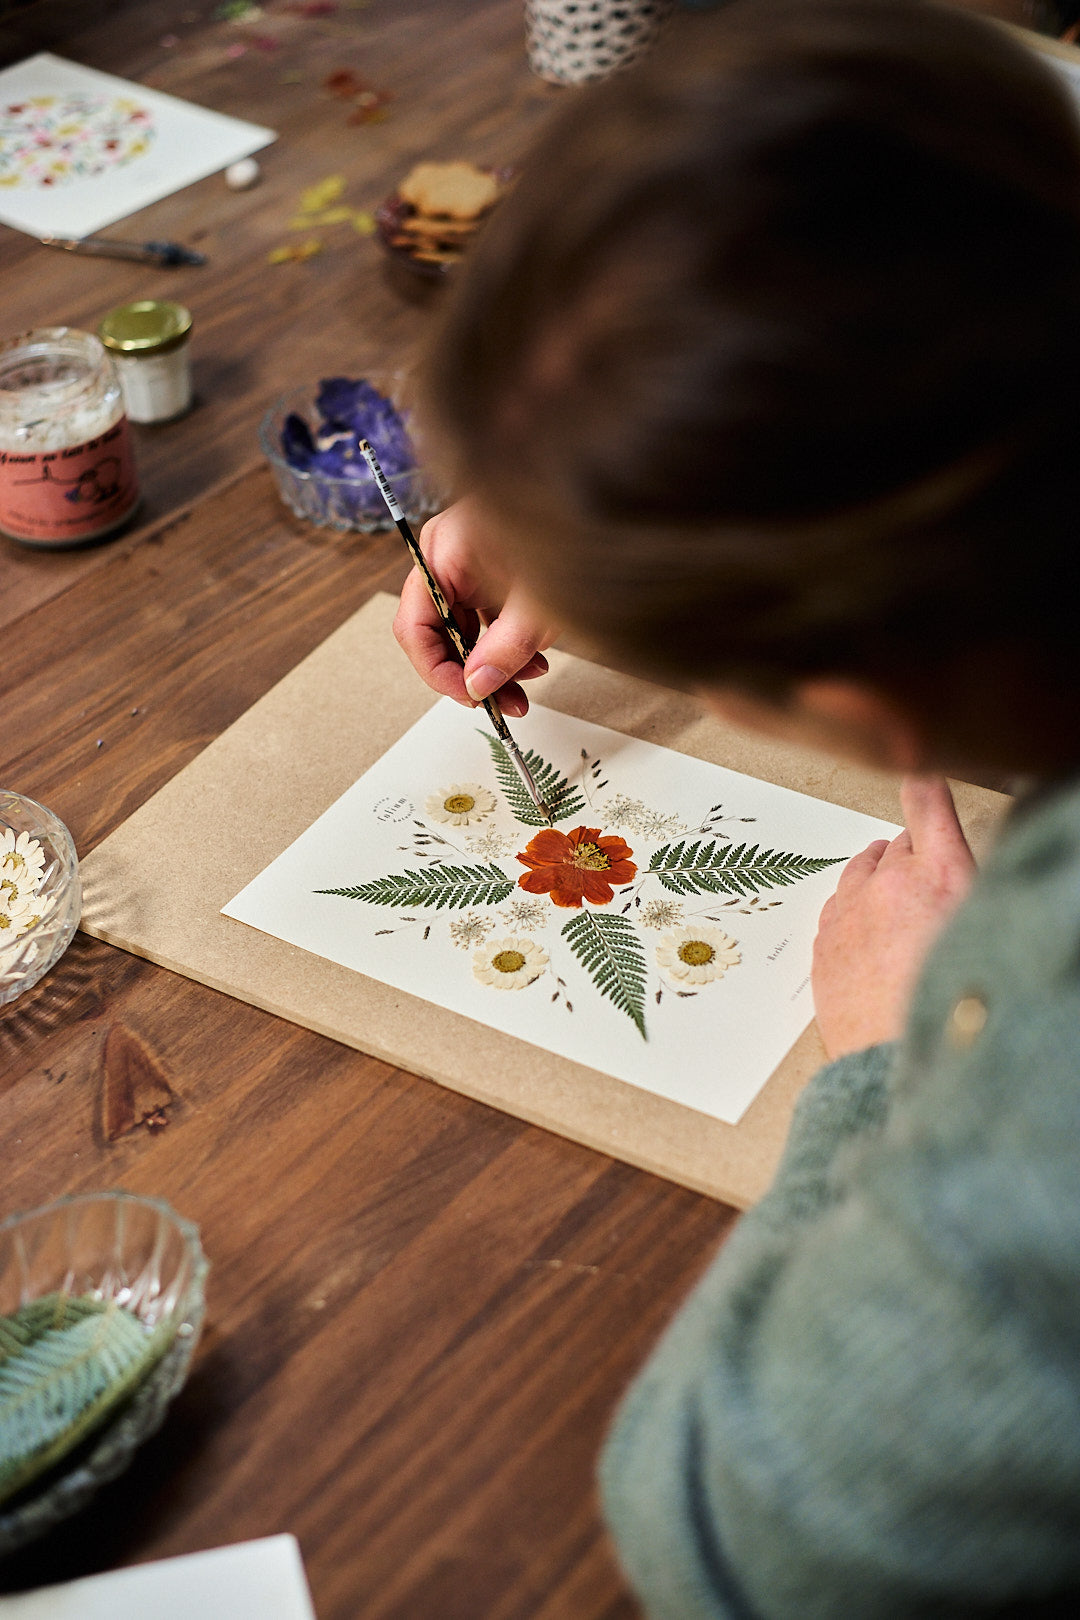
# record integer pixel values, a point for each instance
(80, 149)
(710, 1040)
(255, 1580)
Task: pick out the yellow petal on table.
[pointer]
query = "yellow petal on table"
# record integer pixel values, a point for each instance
(328, 216)
(363, 222)
(320, 196)
(295, 252)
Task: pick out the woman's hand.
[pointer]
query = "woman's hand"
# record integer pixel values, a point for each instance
(890, 905)
(509, 648)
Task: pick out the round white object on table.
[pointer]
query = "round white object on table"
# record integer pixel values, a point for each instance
(242, 175)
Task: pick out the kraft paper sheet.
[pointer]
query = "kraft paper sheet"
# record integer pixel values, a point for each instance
(150, 890)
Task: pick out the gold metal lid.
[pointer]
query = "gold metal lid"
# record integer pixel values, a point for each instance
(144, 328)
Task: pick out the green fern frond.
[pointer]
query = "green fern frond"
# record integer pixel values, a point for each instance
(30, 1321)
(57, 1382)
(741, 869)
(608, 949)
(561, 798)
(452, 887)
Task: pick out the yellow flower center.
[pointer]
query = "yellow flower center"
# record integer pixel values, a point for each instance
(14, 860)
(10, 886)
(459, 804)
(696, 953)
(508, 961)
(5, 920)
(591, 857)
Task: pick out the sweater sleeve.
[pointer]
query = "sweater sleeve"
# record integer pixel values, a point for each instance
(860, 1411)
(651, 1464)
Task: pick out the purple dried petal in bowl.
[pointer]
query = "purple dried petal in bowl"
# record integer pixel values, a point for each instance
(347, 402)
(341, 461)
(297, 445)
(319, 468)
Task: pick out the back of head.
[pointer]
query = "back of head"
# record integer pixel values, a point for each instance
(769, 361)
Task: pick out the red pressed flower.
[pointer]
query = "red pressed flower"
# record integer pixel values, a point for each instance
(576, 866)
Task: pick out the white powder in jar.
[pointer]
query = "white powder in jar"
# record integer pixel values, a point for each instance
(36, 427)
(55, 394)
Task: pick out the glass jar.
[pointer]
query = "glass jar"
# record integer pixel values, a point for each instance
(148, 342)
(67, 471)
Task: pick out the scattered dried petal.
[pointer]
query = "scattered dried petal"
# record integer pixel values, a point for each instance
(295, 252)
(322, 194)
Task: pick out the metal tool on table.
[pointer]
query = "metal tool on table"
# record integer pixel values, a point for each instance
(453, 630)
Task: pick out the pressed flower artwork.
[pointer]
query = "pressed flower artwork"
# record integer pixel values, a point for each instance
(660, 931)
(80, 149)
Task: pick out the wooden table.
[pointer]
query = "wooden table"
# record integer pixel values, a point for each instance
(421, 1312)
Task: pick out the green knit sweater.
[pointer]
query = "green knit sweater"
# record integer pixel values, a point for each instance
(870, 1406)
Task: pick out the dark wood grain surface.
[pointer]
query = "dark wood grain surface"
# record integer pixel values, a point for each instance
(421, 1312)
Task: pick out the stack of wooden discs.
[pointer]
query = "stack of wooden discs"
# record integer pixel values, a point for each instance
(445, 205)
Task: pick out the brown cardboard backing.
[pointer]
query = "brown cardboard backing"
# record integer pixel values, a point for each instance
(156, 886)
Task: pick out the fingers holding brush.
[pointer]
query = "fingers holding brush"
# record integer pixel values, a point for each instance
(419, 632)
(508, 652)
(511, 633)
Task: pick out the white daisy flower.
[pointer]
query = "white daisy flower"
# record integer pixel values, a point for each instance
(509, 964)
(11, 890)
(21, 858)
(697, 955)
(470, 929)
(16, 916)
(661, 914)
(460, 804)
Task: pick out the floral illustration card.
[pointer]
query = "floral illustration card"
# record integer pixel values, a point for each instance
(660, 931)
(80, 149)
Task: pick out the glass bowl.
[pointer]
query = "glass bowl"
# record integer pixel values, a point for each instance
(340, 503)
(38, 913)
(111, 1247)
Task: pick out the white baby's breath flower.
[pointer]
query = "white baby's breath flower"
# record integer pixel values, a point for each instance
(697, 955)
(460, 804)
(637, 817)
(470, 929)
(21, 858)
(661, 914)
(509, 964)
(492, 845)
(526, 914)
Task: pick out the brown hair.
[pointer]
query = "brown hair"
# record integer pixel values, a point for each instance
(770, 361)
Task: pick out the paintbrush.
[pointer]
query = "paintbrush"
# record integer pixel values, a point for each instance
(453, 631)
(110, 247)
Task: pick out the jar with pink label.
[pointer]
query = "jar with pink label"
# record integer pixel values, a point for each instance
(67, 470)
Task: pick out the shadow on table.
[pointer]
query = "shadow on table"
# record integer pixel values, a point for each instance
(68, 992)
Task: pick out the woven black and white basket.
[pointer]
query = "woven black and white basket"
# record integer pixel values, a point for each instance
(570, 41)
